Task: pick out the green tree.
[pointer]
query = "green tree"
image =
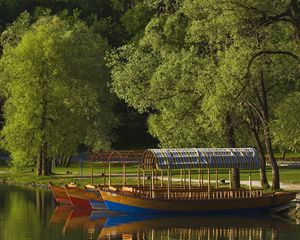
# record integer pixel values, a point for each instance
(205, 69)
(265, 48)
(286, 125)
(161, 77)
(55, 89)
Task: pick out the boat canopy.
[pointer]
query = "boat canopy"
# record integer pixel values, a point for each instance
(187, 158)
(118, 156)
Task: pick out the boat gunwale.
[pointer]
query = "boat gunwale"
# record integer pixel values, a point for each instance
(265, 196)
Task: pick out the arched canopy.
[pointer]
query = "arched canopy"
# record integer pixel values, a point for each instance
(187, 158)
(118, 156)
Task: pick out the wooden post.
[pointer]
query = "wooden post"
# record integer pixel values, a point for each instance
(208, 190)
(104, 177)
(202, 183)
(171, 178)
(230, 178)
(250, 180)
(143, 178)
(168, 183)
(139, 175)
(162, 178)
(124, 174)
(199, 177)
(217, 178)
(190, 184)
(181, 180)
(92, 172)
(184, 179)
(152, 183)
(109, 174)
(190, 179)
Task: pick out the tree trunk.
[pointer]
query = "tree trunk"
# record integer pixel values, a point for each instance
(48, 167)
(284, 154)
(262, 111)
(44, 159)
(235, 172)
(254, 128)
(67, 162)
(263, 175)
(60, 160)
(263, 100)
(39, 166)
(270, 153)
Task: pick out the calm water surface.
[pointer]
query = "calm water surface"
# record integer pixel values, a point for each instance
(32, 214)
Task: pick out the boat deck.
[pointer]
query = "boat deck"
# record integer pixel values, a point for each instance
(180, 193)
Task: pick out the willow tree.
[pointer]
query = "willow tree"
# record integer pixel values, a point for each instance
(286, 124)
(54, 80)
(204, 69)
(173, 76)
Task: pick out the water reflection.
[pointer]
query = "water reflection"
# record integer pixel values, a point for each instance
(107, 226)
(32, 214)
(259, 227)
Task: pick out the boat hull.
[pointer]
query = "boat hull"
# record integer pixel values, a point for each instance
(133, 204)
(78, 197)
(60, 194)
(95, 199)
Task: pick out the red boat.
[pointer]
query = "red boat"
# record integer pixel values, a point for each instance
(59, 194)
(77, 196)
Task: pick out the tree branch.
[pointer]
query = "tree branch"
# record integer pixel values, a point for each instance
(252, 105)
(268, 89)
(259, 54)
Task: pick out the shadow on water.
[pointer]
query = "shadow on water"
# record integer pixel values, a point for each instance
(32, 214)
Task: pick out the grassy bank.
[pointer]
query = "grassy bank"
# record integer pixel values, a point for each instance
(74, 173)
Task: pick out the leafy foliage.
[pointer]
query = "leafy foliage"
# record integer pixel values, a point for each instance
(286, 125)
(55, 88)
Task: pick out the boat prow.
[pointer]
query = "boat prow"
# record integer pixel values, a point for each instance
(94, 196)
(60, 194)
(77, 196)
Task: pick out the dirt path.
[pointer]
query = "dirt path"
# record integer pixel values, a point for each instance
(285, 186)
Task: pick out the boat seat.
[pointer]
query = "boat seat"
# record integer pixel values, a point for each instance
(112, 188)
(127, 189)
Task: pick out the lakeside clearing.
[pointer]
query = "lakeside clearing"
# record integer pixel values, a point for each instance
(289, 177)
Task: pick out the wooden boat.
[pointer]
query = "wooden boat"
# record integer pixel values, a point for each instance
(94, 197)
(60, 194)
(193, 199)
(77, 196)
(254, 201)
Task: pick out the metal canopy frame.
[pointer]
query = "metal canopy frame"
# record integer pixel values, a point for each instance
(189, 158)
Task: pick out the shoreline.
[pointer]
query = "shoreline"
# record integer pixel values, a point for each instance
(32, 185)
(293, 212)
(83, 180)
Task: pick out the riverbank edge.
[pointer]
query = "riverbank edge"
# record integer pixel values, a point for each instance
(31, 185)
(293, 212)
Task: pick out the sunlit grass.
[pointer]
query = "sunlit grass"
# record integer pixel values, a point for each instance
(81, 174)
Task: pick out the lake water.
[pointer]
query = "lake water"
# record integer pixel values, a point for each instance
(33, 214)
